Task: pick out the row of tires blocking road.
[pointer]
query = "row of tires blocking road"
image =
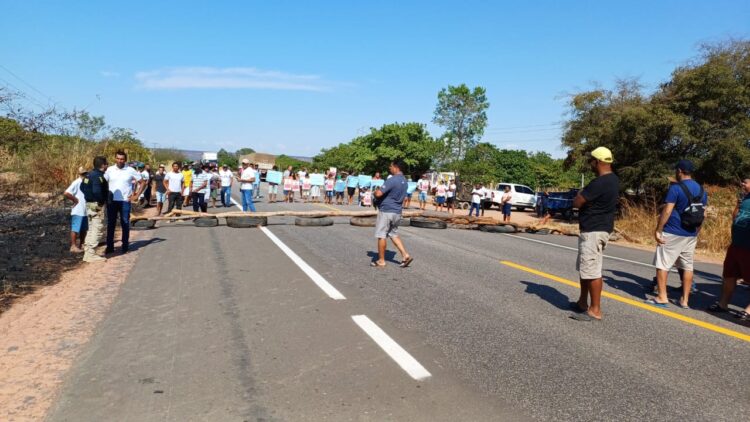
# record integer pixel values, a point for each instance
(250, 221)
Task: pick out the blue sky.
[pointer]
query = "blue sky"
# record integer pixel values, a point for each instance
(295, 77)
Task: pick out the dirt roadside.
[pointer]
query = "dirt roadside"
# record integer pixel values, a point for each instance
(43, 332)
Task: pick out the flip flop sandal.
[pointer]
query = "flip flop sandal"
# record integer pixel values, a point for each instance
(406, 262)
(716, 308)
(678, 304)
(743, 316)
(584, 317)
(575, 307)
(376, 265)
(658, 304)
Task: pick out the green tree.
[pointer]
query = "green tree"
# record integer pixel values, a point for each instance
(225, 157)
(373, 152)
(168, 155)
(479, 164)
(243, 151)
(284, 161)
(463, 114)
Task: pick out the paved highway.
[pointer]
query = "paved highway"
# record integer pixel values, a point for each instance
(291, 323)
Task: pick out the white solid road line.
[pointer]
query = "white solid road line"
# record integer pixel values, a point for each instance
(389, 346)
(307, 269)
(616, 258)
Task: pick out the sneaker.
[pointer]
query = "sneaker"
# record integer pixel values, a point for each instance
(75, 249)
(109, 251)
(94, 258)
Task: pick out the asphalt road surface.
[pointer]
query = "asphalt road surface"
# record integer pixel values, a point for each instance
(291, 323)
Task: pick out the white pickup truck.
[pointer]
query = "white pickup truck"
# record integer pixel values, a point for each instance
(522, 197)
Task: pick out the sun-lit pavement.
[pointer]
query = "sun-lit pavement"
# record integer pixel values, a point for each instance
(227, 324)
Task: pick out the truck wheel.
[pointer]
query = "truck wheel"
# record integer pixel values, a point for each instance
(521, 209)
(464, 205)
(313, 222)
(362, 221)
(143, 225)
(246, 222)
(206, 222)
(497, 229)
(427, 224)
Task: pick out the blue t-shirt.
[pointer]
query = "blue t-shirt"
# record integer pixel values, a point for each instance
(741, 225)
(676, 196)
(394, 192)
(340, 186)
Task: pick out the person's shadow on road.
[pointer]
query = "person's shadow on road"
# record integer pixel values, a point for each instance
(549, 294)
(390, 256)
(138, 244)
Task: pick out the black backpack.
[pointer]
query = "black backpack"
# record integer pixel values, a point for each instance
(692, 217)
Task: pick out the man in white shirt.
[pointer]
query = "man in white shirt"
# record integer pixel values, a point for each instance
(477, 195)
(226, 176)
(423, 186)
(247, 177)
(121, 179)
(173, 183)
(78, 220)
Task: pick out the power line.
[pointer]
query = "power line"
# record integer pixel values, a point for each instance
(45, 96)
(24, 94)
(525, 127)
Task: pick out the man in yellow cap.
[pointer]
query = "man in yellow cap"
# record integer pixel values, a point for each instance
(597, 205)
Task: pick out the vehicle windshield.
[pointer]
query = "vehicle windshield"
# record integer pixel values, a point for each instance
(524, 189)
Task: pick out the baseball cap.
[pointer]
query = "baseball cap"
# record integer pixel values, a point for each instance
(82, 170)
(685, 165)
(245, 161)
(602, 154)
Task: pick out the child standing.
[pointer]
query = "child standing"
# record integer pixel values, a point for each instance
(295, 187)
(440, 192)
(78, 220)
(306, 188)
(339, 187)
(329, 189)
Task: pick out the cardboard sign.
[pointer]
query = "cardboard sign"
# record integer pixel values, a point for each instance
(317, 179)
(411, 187)
(377, 183)
(352, 182)
(364, 181)
(288, 184)
(306, 184)
(273, 176)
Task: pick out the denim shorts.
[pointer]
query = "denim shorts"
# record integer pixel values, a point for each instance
(423, 196)
(161, 197)
(79, 223)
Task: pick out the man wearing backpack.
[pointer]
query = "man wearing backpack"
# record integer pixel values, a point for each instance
(677, 232)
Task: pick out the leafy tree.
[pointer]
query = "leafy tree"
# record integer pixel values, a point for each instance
(479, 164)
(243, 151)
(463, 113)
(284, 161)
(228, 158)
(702, 113)
(373, 152)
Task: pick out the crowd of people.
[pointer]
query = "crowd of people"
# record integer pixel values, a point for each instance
(106, 193)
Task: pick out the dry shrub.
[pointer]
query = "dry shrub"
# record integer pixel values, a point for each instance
(638, 222)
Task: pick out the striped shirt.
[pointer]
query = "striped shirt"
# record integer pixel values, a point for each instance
(199, 179)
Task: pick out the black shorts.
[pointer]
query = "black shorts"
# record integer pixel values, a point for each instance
(351, 191)
(451, 200)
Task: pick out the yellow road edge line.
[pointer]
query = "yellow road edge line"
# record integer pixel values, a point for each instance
(327, 206)
(637, 304)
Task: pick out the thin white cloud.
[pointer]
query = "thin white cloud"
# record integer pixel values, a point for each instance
(227, 78)
(109, 74)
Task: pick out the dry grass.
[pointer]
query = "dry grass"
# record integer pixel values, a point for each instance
(638, 222)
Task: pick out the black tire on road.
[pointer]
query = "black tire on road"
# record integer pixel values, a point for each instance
(362, 221)
(244, 222)
(497, 229)
(313, 222)
(143, 225)
(206, 222)
(427, 224)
